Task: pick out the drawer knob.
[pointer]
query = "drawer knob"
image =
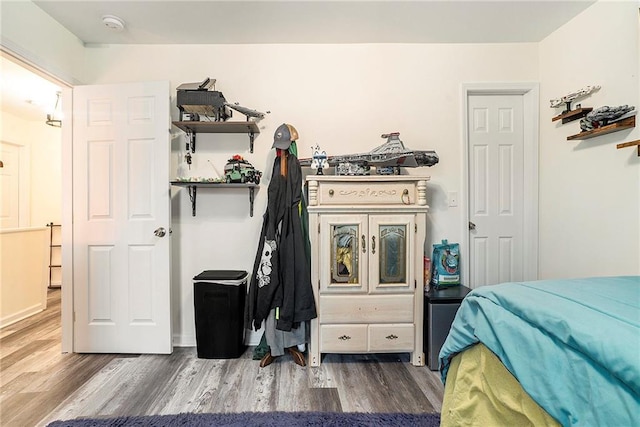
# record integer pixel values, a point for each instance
(344, 338)
(391, 337)
(331, 192)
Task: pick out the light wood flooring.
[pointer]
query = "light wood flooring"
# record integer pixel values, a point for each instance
(39, 384)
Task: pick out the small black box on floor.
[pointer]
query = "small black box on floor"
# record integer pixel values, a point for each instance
(219, 313)
(440, 308)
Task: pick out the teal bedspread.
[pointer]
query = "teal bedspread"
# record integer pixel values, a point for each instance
(574, 345)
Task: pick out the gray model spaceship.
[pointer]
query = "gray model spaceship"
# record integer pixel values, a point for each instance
(198, 99)
(392, 153)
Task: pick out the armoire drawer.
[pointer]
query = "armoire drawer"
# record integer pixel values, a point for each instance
(380, 193)
(391, 337)
(366, 308)
(343, 338)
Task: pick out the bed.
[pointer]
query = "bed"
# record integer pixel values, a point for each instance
(552, 352)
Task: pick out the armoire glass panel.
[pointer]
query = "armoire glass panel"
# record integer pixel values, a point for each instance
(393, 253)
(344, 253)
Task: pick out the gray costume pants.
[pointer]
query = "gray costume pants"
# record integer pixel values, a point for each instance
(279, 340)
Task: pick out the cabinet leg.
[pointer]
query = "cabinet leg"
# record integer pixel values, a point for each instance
(314, 358)
(314, 344)
(417, 358)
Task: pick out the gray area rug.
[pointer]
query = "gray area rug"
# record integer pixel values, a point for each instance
(275, 419)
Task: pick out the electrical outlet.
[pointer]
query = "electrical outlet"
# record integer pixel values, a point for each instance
(453, 199)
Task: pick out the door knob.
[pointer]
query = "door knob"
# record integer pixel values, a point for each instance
(160, 232)
(472, 226)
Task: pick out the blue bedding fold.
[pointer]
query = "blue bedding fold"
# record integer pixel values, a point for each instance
(574, 344)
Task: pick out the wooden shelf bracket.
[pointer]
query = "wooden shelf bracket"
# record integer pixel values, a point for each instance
(635, 143)
(192, 187)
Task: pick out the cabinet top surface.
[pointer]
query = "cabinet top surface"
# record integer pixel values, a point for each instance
(367, 178)
(450, 294)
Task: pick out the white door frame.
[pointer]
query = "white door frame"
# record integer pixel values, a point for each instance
(67, 302)
(531, 108)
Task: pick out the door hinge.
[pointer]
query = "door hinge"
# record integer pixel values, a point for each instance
(415, 284)
(415, 228)
(74, 316)
(318, 228)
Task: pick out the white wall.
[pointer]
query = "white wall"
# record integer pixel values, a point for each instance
(43, 149)
(589, 190)
(23, 277)
(342, 97)
(46, 174)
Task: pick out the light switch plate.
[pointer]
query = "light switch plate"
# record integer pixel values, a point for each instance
(453, 199)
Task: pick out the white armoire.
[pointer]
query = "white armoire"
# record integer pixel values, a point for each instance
(367, 235)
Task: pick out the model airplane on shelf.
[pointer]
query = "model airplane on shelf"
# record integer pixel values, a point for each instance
(247, 111)
(197, 99)
(569, 98)
(392, 153)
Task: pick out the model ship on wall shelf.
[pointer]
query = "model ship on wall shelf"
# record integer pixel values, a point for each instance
(570, 97)
(198, 102)
(605, 115)
(203, 110)
(604, 120)
(387, 158)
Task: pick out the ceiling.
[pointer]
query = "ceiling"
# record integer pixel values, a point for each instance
(305, 21)
(314, 21)
(24, 93)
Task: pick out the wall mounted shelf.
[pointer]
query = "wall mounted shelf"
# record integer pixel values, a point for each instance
(194, 128)
(572, 115)
(627, 123)
(193, 191)
(635, 143)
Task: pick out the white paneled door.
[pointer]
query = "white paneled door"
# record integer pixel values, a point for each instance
(496, 183)
(121, 218)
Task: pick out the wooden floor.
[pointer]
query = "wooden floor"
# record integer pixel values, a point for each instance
(39, 384)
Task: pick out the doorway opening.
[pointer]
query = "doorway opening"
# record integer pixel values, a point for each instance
(34, 178)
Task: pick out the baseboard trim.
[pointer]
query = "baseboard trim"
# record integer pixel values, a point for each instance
(20, 315)
(251, 337)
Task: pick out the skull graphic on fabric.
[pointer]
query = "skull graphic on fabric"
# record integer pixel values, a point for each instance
(264, 271)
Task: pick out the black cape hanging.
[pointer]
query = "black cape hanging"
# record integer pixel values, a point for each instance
(281, 274)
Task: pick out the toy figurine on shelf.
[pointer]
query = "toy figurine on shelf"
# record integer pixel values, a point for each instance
(319, 159)
(238, 169)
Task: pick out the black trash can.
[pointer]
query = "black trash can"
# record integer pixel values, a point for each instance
(219, 313)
